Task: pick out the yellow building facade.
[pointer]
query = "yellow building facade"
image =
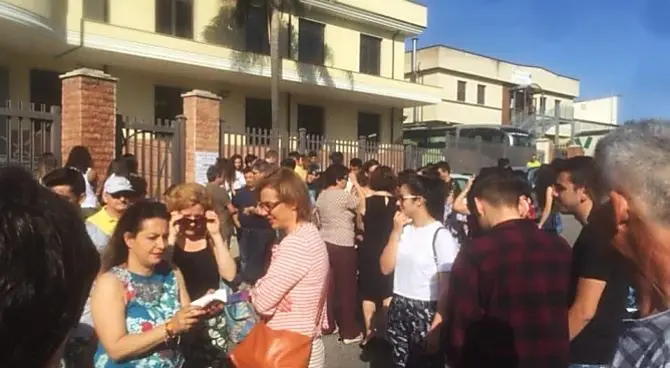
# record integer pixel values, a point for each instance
(479, 89)
(343, 71)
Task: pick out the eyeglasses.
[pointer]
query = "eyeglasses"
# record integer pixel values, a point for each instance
(268, 206)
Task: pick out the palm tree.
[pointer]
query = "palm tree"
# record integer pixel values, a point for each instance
(273, 10)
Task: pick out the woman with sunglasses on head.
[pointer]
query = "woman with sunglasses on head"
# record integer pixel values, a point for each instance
(336, 209)
(291, 294)
(420, 252)
(201, 253)
(140, 304)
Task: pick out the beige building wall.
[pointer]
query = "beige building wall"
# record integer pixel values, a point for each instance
(212, 23)
(600, 110)
(120, 38)
(445, 67)
(135, 98)
(465, 62)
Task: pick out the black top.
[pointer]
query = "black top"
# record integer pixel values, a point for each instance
(244, 198)
(199, 269)
(378, 221)
(593, 257)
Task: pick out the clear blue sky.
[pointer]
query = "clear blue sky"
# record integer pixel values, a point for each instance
(613, 46)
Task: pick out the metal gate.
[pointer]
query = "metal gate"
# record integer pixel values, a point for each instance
(27, 132)
(159, 149)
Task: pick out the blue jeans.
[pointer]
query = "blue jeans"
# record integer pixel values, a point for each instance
(586, 366)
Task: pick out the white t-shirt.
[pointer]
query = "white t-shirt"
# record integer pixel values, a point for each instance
(239, 182)
(415, 274)
(90, 199)
(350, 186)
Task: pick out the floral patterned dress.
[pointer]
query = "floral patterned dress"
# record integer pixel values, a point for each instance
(150, 301)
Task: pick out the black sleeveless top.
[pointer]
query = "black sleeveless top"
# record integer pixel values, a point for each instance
(199, 269)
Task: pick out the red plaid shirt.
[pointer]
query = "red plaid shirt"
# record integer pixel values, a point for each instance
(507, 304)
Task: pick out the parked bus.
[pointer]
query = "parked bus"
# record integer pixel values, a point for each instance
(434, 135)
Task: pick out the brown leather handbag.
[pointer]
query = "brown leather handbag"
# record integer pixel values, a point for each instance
(265, 347)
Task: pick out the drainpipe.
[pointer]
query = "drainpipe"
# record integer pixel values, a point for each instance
(414, 75)
(81, 41)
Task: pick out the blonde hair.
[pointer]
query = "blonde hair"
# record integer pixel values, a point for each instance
(187, 195)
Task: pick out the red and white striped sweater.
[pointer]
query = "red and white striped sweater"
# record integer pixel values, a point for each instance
(288, 295)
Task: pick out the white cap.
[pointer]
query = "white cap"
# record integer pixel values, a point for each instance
(116, 184)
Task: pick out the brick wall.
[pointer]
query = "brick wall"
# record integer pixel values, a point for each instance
(89, 115)
(201, 109)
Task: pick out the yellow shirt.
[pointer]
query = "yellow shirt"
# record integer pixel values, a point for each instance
(103, 221)
(301, 172)
(532, 164)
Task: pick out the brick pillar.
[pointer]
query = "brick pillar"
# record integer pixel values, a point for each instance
(201, 109)
(89, 115)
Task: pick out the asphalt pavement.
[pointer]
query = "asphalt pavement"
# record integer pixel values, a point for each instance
(339, 355)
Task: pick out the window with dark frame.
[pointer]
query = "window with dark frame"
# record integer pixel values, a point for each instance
(168, 103)
(258, 113)
(460, 91)
(256, 31)
(175, 18)
(543, 105)
(370, 50)
(45, 88)
(368, 126)
(311, 47)
(481, 94)
(257, 121)
(312, 118)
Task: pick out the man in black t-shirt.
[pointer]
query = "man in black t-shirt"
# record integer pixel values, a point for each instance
(598, 285)
(254, 231)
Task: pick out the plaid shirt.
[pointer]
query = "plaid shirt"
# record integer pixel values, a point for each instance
(645, 343)
(507, 303)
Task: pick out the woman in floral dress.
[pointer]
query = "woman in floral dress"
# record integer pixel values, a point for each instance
(140, 305)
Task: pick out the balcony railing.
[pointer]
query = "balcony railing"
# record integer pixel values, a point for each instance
(530, 120)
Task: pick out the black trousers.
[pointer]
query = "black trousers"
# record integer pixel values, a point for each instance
(254, 247)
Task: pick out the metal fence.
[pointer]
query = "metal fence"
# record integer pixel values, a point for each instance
(159, 149)
(27, 132)
(464, 155)
(259, 141)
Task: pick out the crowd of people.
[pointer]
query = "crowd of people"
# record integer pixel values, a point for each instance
(95, 273)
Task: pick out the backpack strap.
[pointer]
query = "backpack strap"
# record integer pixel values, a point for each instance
(434, 244)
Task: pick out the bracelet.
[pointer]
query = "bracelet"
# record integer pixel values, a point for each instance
(169, 330)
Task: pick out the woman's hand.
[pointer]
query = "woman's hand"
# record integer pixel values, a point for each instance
(353, 178)
(186, 318)
(400, 220)
(213, 223)
(175, 227)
